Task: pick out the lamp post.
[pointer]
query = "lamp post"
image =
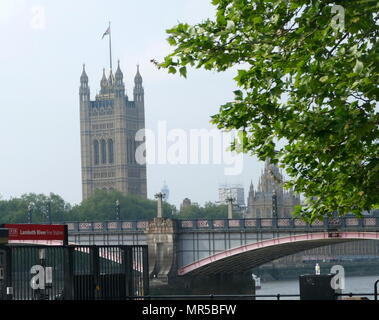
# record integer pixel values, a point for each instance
(230, 201)
(30, 212)
(118, 216)
(160, 197)
(274, 205)
(49, 211)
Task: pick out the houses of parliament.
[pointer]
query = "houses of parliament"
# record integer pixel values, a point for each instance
(259, 201)
(108, 126)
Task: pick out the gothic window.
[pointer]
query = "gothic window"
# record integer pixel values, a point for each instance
(103, 146)
(129, 150)
(96, 152)
(133, 155)
(110, 151)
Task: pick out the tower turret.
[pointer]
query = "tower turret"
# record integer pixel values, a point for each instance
(251, 190)
(119, 84)
(111, 80)
(138, 91)
(119, 75)
(84, 88)
(104, 88)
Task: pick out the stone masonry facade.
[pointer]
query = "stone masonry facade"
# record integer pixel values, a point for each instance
(108, 127)
(260, 200)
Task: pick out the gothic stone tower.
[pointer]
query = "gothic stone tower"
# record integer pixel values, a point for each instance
(260, 201)
(108, 126)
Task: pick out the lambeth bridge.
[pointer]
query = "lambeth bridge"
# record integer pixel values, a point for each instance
(180, 248)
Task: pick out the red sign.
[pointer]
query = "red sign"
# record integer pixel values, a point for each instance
(36, 232)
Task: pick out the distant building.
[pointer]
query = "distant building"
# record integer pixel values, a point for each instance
(166, 191)
(185, 204)
(236, 192)
(260, 200)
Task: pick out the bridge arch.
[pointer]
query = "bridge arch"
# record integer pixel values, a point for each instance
(243, 258)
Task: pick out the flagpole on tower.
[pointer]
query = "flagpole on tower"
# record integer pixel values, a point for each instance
(110, 45)
(108, 33)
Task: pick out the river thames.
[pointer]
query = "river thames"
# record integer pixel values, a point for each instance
(359, 284)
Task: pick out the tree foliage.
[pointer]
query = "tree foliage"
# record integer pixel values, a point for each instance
(209, 211)
(308, 91)
(101, 206)
(15, 210)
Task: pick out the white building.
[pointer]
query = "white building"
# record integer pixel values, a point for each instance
(234, 191)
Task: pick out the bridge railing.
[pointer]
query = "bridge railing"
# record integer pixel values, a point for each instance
(349, 222)
(280, 223)
(107, 226)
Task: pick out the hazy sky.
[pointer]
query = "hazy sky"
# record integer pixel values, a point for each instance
(43, 47)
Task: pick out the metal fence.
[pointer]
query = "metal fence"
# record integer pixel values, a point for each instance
(338, 296)
(73, 272)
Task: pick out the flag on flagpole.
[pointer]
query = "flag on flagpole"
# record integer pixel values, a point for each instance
(106, 32)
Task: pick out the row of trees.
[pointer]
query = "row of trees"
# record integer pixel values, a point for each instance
(100, 207)
(209, 211)
(15, 210)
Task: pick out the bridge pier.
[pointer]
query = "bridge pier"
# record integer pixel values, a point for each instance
(161, 239)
